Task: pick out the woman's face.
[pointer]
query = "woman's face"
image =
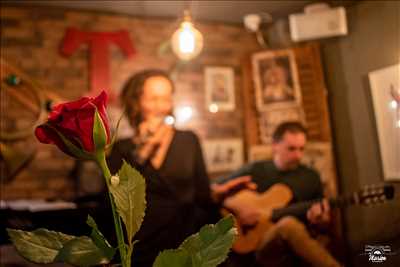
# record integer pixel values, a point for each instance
(156, 100)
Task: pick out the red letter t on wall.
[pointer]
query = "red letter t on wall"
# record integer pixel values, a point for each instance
(99, 67)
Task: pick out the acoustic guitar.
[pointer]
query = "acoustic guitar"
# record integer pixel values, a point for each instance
(273, 205)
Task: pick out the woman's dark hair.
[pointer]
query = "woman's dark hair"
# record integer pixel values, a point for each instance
(290, 126)
(133, 90)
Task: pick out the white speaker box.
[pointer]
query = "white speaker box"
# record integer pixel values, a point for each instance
(320, 23)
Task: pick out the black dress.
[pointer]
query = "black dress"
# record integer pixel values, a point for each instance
(177, 195)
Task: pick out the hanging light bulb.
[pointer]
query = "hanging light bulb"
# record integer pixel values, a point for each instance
(187, 41)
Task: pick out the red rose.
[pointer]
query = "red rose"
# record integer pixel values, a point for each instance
(74, 122)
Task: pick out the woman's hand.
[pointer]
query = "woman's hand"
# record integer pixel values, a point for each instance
(150, 140)
(220, 191)
(149, 128)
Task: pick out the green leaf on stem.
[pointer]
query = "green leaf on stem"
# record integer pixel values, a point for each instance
(129, 197)
(44, 246)
(173, 257)
(39, 246)
(211, 245)
(99, 132)
(208, 248)
(81, 251)
(99, 240)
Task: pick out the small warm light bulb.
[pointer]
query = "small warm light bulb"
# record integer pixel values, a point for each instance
(187, 41)
(187, 38)
(393, 104)
(184, 114)
(213, 108)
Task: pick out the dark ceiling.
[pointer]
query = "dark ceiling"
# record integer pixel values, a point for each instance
(211, 11)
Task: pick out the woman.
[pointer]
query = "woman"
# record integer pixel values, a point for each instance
(177, 187)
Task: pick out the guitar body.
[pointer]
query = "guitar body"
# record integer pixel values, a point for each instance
(273, 205)
(277, 196)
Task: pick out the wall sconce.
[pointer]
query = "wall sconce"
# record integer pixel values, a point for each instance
(252, 22)
(187, 41)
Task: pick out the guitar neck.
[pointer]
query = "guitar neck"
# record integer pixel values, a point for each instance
(369, 195)
(299, 209)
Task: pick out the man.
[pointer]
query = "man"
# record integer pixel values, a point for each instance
(288, 233)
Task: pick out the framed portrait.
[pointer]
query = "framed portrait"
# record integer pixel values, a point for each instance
(223, 154)
(318, 155)
(385, 92)
(219, 88)
(275, 79)
(269, 120)
(260, 152)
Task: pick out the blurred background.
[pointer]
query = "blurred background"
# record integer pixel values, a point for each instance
(334, 51)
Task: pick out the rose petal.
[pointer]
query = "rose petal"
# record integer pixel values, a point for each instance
(85, 125)
(69, 106)
(79, 124)
(75, 120)
(77, 104)
(46, 135)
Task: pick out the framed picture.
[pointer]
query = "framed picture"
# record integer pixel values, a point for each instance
(385, 92)
(223, 154)
(219, 88)
(260, 152)
(318, 155)
(269, 120)
(276, 80)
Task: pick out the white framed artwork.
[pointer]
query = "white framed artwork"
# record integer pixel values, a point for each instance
(385, 92)
(276, 80)
(219, 88)
(319, 156)
(223, 154)
(269, 120)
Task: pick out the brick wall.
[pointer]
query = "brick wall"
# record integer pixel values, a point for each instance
(30, 40)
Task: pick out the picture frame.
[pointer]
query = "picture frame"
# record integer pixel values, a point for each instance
(269, 120)
(276, 80)
(222, 155)
(319, 156)
(219, 88)
(385, 93)
(259, 152)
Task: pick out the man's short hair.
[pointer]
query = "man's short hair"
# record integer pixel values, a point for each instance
(291, 127)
